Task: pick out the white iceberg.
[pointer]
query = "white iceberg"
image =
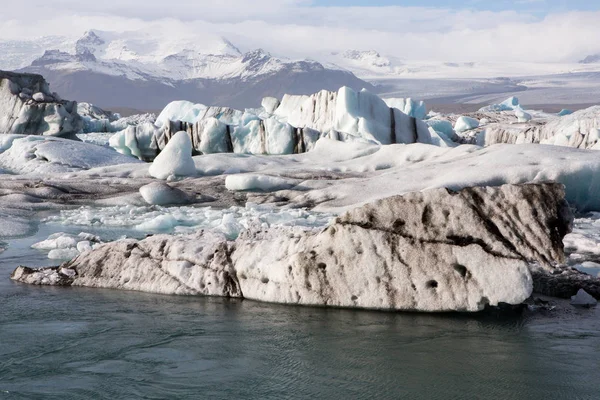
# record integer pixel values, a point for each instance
(161, 193)
(465, 124)
(583, 299)
(175, 159)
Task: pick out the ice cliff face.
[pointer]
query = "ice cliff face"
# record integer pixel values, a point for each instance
(436, 250)
(580, 129)
(28, 107)
(290, 126)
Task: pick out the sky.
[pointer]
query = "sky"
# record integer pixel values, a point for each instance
(539, 7)
(428, 30)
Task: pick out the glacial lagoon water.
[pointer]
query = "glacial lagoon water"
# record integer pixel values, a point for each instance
(79, 343)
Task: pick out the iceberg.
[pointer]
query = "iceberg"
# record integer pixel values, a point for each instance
(65, 246)
(97, 120)
(436, 250)
(583, 299)
(465, 124)
(49, 155)
(442, 126)
(175, 159)
(161, 193)
(288, 127)
(410, 107)
(522, 116)
(579, 129)
(510, 104)
(564, 112)
(28, 107)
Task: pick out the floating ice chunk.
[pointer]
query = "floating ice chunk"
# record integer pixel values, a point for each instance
(512, 103)
(522, 115)
(257, 182)
(583, 299)
(175, 159)
(160, 193)
(465, 124)
(56, 241)
(162, 223)
(84, 246)
(63, 254)
(230, 226)
(65, 246)
(188, 219)
(46, 155)
(564, 112)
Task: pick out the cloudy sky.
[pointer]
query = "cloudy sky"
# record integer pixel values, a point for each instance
(432, 30)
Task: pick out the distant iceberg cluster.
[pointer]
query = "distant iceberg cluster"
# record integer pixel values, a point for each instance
(290, 126)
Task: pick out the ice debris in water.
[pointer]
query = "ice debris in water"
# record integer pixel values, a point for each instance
(175, 159)
(583, 299)
(65, 246)
(188, 219)
(583, 243)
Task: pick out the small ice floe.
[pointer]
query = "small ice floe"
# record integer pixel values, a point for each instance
(66, 246)
(583, 299)
(161, 193)
(258, 182)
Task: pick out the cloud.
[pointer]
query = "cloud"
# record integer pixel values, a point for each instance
(297, 28)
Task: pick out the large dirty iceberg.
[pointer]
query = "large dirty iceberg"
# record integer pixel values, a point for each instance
(437, 250)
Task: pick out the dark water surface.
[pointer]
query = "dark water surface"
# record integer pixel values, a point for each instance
(77, 343)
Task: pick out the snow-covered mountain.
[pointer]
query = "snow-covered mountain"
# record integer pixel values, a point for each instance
(140, 70)
(366, 62)
(145, 69)
(591, 59)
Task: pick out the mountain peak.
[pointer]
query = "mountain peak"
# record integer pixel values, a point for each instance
(230, 48)
(591, 59)
(88, 43)
(370, 57)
